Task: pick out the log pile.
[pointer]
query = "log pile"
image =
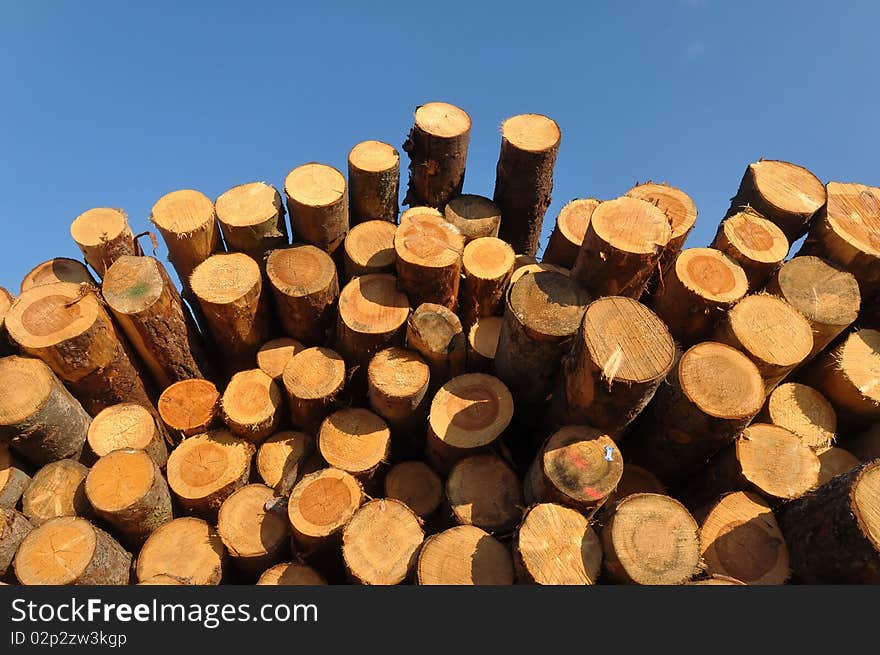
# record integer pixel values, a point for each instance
(343, 392)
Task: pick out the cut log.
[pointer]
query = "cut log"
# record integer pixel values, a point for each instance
(255, 533)
(14, 527)
(487, 264)
(126, 489)
(374, 176)
(57, 489)
(804, 411)
(833, 533)
(273, 356)
(543, 312)
(467, 415)
(206, 469)
(754, 243)
(428, 251)
(740, 538)
(318, 205)
(381, 542)
(229, 290)
(252, 404)
(313, 379)
(524, 178)
(782, 192)
(435, 333)
(483, 344)
(437, 147)
(834, 461)
(305, 288)
(635, 480)
(280, 459)
(772, 333)
(6, 345)
(320, 506)
(69, 550)
(38, 416)
(103, 236)
(189, 407)
(65, 325)
(578, 466)
(621, 354)
(13, 480)
(397, 388)
(152, 315)
(482, 490)
(127, 426)
(568, 233)
(292, 573)
(372, 316)
(59, 269)
(699, 287)
(650, 539)
(523, 265)
(416, 485)
(464, 555)
(188, 225)
(865, 446)
(555, 545)
(161, 553)
(717, 580)
(251, 217)
(711, 395)
(369, 248)
(827, 296)
(163, 579)
(622, 247)
(356, 441)
(418, 210)
(474, 216)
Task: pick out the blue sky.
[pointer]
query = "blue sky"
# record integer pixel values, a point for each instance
(115, 104)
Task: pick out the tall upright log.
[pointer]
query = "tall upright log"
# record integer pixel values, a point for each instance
(374, 177)
(754, 243)
(59, 269)
(428, 251)
(474, 216)
(487, 264)
(372, 316)
(369, 248)
(251, 217)
(103, 236)
(803, 411)
(436, 334)
(127, 425)
(313, 379)
(318, 205)
(568, 233)
(189, 407)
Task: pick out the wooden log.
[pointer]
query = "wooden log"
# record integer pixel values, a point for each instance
(543, 312)
(699, 287)
(13, 479)
(622, 247)
(437, 147)
(65, 325)
(710, 396)
(273, 356)
(374, 176)
(318, 205)
(435, 333)
(483, 491)
(833, 533)
(38, 416)
(313, 379)
(464, 555)
(483, 344)
(206, 469)
(397, 388)
(474, 216)
(416, 485)
(255, 534)
(428, 251)
(188, 225)
(717, 580)
(555, 545)
(305, 287)
(834, 461)
(103, 236)
(787, 194)
(161, 553)
(467, 415)
(59, 269)
(69, 550)
(126, 489)
(369, 248)
(804, 411)
(320, 506)
(523, 266)
(772, 333)
(754, 243)
(252, 404)
(650, 539)
(14, 527)
(418, 210)
(163, 579)
(280, 459)
(355, 440)
(621, 354)
(765, 459)
(634, 480)
(487, 264)
(740, 538)
(381, 543)
(865, 445)
(189, 407)
(229, 290)
(251, 217)
(6, 345)
(57, 489)
(568, 233)
(524, 178)
(827, 296)
(148, 308)
(291, 573)
(127, 426)
(578, 466)
(372, 316)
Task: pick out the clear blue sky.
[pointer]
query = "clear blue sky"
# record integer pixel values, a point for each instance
(115, 104)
